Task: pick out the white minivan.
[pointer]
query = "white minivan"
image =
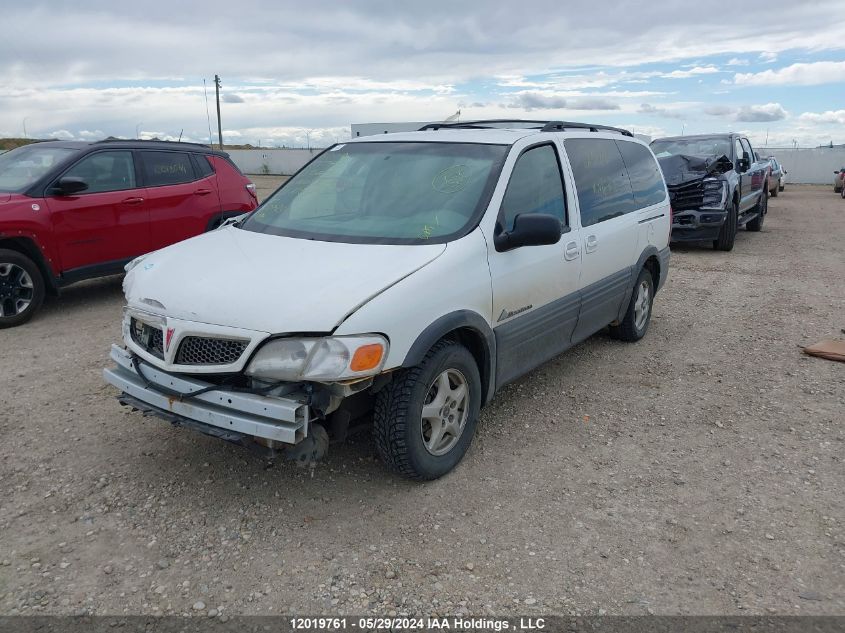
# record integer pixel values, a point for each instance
(400, 279)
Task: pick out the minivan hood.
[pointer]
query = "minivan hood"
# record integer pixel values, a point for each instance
(268, 283)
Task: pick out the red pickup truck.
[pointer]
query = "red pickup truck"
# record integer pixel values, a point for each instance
(71, 210)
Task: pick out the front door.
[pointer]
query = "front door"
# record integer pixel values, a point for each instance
(535, 298)
(108, 222)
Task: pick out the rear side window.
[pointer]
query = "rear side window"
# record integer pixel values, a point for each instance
(166, 168)
(105, 171)
(535, 187)
(646, 177)
(603, 186)
(204, 168)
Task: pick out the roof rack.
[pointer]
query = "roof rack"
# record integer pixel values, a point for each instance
(543, 126)
(151, 140)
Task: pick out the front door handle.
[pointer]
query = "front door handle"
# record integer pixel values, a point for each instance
(592, 244)
(132, 201)
(571, 252)
(202, 192)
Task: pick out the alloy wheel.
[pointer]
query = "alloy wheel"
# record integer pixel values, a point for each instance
(16, 290)
(445, 412)
(642, 305)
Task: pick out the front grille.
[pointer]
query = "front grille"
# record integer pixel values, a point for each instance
(147, 337)
(199, 350)
(687, 196)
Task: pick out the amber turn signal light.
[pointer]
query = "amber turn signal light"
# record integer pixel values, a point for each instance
(366, 357)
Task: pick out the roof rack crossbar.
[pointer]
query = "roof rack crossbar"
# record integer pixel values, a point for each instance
(543, 126)
(554, 126)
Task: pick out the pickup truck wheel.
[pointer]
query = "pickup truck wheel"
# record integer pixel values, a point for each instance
(774, 192)
(727, 234)
(635, 324)
(425, 418)
(762, 209)
(21, 288)
(781, 186)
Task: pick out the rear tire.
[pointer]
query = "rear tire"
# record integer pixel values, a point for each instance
(762, 209)
(424, 420)
(727, 234)
(21, 288)
(638, 315)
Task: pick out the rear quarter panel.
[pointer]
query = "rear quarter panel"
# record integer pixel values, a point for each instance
(231, 187)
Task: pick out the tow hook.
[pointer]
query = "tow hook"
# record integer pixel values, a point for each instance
(310, 450)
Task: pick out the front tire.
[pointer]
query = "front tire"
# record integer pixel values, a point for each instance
(774, 192)
(21, 288)
(727, 234)
(424, 420)
(635, 324)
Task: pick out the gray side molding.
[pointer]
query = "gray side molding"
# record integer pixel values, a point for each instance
(453, 321)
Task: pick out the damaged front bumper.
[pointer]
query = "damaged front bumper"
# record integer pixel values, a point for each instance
(693, 225)
(234, 416)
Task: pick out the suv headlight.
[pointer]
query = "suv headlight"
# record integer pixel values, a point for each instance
(319, 359)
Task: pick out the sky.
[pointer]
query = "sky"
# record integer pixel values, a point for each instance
(297, 73)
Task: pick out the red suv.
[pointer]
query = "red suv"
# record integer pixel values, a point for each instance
(71, 211)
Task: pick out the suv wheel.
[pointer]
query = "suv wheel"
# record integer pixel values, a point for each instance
(727, 234)
(635, 324)
(425, 418)
(762, 209)
(21, 288)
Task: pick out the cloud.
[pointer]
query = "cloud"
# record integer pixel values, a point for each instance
(537, 101)
(231, 97)
(718, 110)
(801, 74)
(736, 61)
(692, 72)
(593, 103)
(647, 108)
(761, 113)
(836, 117)
(768, 57)
(62, 135)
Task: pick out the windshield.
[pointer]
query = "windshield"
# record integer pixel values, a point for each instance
(385, 193)
(715, 146)
(20, 168)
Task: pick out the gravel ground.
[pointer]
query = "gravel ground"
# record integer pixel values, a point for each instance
(698, 471)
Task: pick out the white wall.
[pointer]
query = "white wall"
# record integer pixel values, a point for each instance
(271, 161)
(808, 166)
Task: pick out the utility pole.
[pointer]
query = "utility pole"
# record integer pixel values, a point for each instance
(219, 124)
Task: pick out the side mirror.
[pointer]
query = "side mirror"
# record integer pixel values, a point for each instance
(529, 229)
(68, 186)
(743, 163)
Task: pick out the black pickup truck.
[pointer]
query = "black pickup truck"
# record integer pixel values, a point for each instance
(716, 184)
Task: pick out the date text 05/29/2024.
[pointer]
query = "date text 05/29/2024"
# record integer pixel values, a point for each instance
(416, 624)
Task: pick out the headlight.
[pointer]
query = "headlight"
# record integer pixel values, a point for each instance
(715, 193)
(319, 359)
